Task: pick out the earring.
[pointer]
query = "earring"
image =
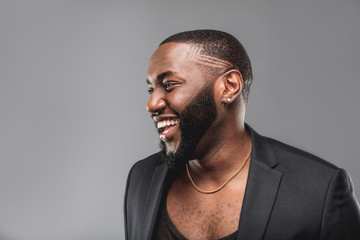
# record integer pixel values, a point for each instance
(228, 99)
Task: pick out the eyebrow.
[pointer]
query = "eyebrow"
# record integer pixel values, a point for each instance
(162, 76)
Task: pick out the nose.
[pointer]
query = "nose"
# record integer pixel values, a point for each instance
(156, 103)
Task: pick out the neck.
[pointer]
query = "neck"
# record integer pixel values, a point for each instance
(223, 154)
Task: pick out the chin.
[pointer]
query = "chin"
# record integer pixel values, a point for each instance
(173, 157)
(171, 149)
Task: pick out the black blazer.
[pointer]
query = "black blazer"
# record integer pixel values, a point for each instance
(290, 194)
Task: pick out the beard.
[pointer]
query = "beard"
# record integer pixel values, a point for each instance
(195, 120)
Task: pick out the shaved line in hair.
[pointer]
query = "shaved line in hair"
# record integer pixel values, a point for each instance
(199, 57)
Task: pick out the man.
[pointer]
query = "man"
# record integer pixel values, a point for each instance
(215, 177)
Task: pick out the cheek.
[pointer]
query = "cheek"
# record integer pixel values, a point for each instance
(179, 101)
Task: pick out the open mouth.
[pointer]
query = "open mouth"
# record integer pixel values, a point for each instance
(166, 124)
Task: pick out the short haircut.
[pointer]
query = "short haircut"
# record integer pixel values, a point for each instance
(220, 45)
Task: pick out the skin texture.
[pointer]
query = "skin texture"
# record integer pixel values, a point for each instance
(176, 74)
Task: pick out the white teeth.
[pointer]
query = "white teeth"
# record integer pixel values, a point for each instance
(168, 122)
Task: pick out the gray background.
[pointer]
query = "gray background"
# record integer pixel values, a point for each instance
(73, 95)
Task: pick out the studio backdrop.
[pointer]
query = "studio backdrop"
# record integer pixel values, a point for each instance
(73, 96)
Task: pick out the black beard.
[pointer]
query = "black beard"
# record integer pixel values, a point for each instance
(195, 120)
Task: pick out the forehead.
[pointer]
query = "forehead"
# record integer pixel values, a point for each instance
(172, 50)
(174, 57)
(183, 58)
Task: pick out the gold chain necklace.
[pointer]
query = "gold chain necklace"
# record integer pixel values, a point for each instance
(224, 184)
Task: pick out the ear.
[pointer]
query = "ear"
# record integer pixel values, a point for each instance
(232, 86)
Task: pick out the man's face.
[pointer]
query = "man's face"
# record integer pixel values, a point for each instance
(181, 102)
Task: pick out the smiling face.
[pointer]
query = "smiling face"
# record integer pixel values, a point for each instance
(181, 101)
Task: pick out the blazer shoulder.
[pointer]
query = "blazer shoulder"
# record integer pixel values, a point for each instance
(292, 156)
(148, 163)
(142, 171)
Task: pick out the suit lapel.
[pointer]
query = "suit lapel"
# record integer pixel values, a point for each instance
(260, 194)
(153, 200)
(261, 189)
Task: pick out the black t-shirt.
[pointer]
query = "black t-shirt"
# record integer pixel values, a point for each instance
(166, 230)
